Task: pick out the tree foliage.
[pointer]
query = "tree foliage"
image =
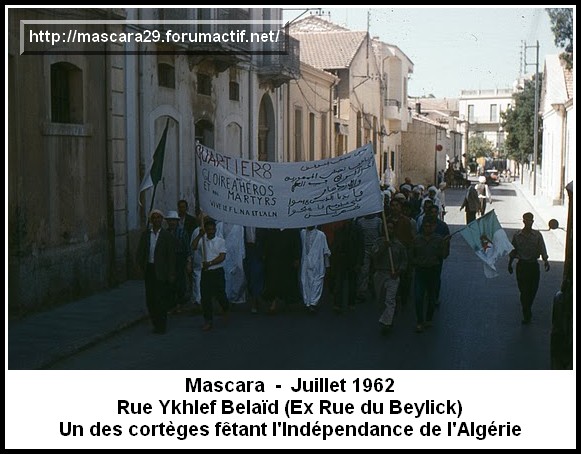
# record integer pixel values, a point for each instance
(479, 146)
(518, 123)
(562, 28)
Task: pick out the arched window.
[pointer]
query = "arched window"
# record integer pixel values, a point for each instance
(66, 93)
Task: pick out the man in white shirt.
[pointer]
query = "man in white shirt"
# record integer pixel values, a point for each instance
(213, 251)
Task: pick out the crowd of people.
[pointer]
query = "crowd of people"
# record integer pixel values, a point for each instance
(394, 257)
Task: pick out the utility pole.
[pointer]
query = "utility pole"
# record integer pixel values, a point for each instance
(536, 117)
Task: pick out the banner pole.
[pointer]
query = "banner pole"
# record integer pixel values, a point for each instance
(387, 238)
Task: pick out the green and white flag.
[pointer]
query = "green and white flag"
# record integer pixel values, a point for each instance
(153, 175)
(488, 240)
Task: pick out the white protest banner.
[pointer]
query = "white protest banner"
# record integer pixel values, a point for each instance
(287, 195)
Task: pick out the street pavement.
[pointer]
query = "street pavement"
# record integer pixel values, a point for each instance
(43, 339)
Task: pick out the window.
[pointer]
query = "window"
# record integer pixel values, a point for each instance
(204, 84)
(470, 113)
(298, 135)
(66, 93)
(493, 112)
(311, 136)
(166, 75)
(234, 91)
(205, 133)
(324, 152)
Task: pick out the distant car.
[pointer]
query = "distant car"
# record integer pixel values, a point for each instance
(492, 177)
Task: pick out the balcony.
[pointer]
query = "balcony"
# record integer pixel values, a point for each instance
(206, 41)
(279, 62)
(392, 109)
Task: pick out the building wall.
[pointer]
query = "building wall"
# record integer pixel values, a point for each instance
(395, 67)
(312, 94)
(62, 206)
(558, 120)
(553, 163)
(571, 143)
(482, 122)
(419, 155)
(364, 98)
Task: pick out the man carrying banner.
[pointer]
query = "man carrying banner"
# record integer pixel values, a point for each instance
(388, 265)
(212, 283)
(528, 246)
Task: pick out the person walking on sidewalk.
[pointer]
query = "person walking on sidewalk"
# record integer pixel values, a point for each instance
(528, 246)
(156, 256)
(213, 283)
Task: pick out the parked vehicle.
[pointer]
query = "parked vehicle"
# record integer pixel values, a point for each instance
(562, 318)
(492, 177)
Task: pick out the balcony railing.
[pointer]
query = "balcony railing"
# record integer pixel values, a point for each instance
(280, 61)
(392, 110)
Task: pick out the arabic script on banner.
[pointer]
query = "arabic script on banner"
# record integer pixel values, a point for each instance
(287, 195)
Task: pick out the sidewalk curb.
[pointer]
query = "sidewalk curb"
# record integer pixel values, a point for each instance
(538, 208)
(84, 344)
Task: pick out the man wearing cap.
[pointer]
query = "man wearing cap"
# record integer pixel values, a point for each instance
(156, 256)
(433, 196)
(528, 246)
(483, 194)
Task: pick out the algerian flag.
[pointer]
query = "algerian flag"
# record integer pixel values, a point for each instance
(154, 173)
(488, 240)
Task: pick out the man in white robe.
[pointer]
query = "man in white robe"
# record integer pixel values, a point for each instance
(315, 255)
(233, 234)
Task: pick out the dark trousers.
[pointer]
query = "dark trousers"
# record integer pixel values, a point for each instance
(470, 216)
(482, 207)
(439, 281)
(404, 288)
(344, 287)
(156, 293)
(254, 270)
(528, 275)
(426, 284)
(212, 285)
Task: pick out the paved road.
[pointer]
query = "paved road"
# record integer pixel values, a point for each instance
(477, 326)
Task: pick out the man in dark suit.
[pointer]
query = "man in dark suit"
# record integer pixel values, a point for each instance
(187, 222)
(156, 256)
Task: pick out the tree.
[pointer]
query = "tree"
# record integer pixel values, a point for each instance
(479, 147)
(562, 28)
(518, 123)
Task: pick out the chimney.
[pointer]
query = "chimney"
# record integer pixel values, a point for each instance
(419, 108)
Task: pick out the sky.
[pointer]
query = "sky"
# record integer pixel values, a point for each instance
(452, 48)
